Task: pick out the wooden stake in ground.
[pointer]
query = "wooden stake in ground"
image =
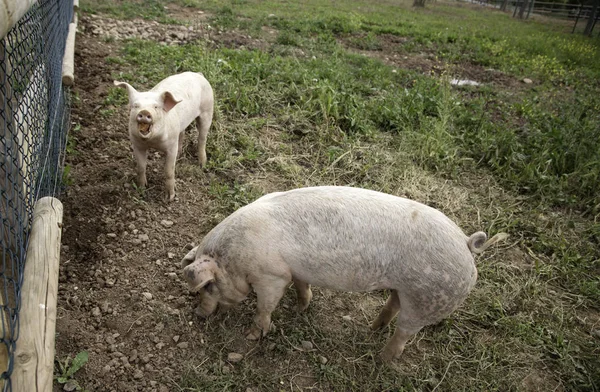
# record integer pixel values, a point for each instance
(34, 354)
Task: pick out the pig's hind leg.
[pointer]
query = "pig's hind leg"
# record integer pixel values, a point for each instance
(389, 311)
(269, 291)
(409, 322)
(203, 122)
(304, 294)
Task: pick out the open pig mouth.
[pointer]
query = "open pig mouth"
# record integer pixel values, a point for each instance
(144, 128)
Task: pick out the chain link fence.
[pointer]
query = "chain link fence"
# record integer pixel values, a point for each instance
(34, 120)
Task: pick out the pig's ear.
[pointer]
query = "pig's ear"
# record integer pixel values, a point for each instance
(169, 101)
(189, 258)
(130, 90)
(202, 278)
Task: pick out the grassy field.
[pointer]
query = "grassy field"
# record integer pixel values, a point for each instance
(359, 93)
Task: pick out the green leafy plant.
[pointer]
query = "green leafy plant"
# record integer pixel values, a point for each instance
(67, 370)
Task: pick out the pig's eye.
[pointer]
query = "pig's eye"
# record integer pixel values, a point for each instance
(155, 106)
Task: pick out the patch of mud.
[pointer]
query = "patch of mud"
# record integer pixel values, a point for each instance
(389, 50)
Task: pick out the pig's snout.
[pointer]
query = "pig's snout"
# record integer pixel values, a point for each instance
(144, 120)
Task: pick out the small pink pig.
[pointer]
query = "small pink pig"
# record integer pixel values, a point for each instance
(159, 117)
(339, 238)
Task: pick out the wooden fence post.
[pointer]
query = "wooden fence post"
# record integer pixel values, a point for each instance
(34, 354)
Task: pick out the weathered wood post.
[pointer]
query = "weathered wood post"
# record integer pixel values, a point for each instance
(34, 354)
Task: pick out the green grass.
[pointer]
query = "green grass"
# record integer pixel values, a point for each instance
(503, 157)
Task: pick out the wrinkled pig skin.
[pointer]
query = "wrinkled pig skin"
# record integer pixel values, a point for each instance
(159, 117)
(339, 238)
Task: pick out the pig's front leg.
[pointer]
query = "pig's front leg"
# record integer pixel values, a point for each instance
(171, 157)
(141, 159)
(269, 291)
(304, 294)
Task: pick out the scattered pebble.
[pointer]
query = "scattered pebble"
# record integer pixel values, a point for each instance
(323, 360)
(170, 255)
(138, 374)
(527, 81)
(111, 235)
(143, 237)
(172, 275)
(96, 312)
(176, 338)
(183, 345)
(70, 385)
(190, 246)
(166, 223)
(147, 295)
(347, 317)
(234, 357)
(306, 345)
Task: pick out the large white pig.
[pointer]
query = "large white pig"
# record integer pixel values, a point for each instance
(339, 238)
(159, 117)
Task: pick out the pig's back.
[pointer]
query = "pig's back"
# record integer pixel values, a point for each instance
(354, 239)
(189, 87)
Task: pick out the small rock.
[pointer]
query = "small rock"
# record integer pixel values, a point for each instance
(347, 317)
(596, 333)
(96, 312)
(106, 369)
(190, 246)
(306, 345)
(160, 345)
(110, 340)
(183, 345)
(111, 235)
(147, 295)
(70, 385)
(138, 374)
(159, 327)
(176, 338)
(170, 255)
(143, 237)
(172, 275)
(323, 360)
(166, 223)
(226, 370)
(527, 81)
(234, 357)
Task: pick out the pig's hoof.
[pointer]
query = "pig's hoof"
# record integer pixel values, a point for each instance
(386, 357)
(377, 324)
(254, 334)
